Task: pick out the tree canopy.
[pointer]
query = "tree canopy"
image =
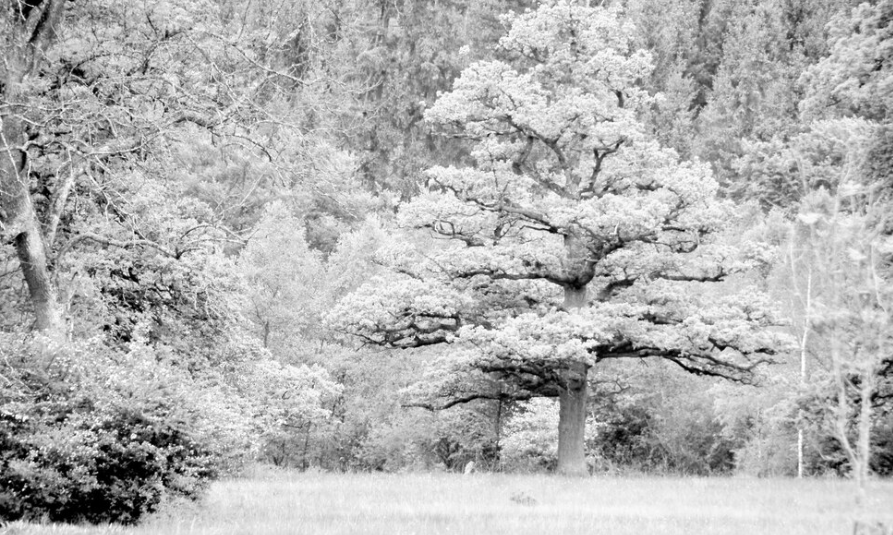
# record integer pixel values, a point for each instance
(573, 239)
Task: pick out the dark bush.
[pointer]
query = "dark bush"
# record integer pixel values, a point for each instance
(91, 435)
(827, 455)
(632, 438)
(626, 440)
(882, 450)
(824, 453)
(73, 462)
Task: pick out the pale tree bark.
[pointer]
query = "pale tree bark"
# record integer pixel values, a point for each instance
(29, 29)
(803, 342)
(573, 393)
(573, 401)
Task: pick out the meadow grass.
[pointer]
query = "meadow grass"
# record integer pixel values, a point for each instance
(496, 504)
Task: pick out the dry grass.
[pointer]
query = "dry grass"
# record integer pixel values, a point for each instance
(431, 504)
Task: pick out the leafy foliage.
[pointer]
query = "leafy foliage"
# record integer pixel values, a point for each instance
(568, 193)
(82, 446)
(856, 76)
(208, 187)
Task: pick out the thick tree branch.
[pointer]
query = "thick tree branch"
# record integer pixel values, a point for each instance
(700, 363)
(469, 398)
(505, 206)
(531, 134)
(599, 154)
(57, 204)
(115, 243)
(494, 274)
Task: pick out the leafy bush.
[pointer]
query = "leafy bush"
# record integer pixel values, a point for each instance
(649, 437)
(88, 435)
(460, 435)
(70, 461)
(824, 453)
(661, 420)
(422, 440)
(626, 440)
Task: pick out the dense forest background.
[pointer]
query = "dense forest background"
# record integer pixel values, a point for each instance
(192, 193)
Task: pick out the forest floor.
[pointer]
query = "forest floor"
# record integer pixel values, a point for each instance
(432, 504)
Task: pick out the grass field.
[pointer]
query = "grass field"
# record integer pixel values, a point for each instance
(328, 504)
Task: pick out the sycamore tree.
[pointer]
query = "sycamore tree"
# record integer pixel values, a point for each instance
(574, 238)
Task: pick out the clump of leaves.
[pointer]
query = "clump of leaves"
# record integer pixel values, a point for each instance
(79, 446)
(77, 463)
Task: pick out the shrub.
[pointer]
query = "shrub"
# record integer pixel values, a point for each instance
(72, 462)
(626, 440)
(826, 456)
(824, 453)
(673, 428)
(91, 436)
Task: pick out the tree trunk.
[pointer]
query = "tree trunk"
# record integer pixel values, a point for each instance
(572, 427)
(573, 400)
(19, 224)
(862, 469)
(575, 299)
(32, 258)
(29, 31)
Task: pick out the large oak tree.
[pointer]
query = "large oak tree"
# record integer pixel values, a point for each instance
(574, 239)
